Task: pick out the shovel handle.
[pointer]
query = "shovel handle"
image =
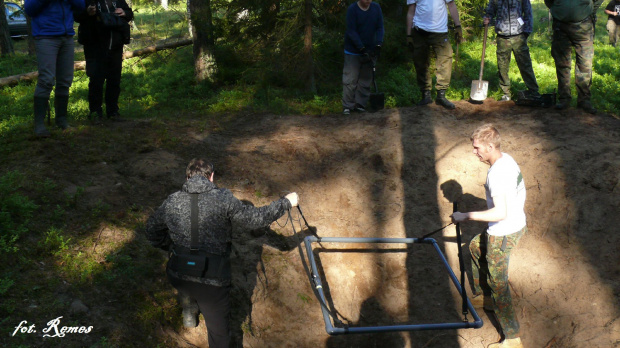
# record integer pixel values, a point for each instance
(484, 49)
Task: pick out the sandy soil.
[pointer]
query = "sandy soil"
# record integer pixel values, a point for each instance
(394, 173)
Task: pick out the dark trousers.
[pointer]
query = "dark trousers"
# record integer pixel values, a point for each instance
(356, 81)
(55, 64)
(214, 304)
(103, 65)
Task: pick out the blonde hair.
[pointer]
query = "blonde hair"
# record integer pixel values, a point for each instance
(487, 134)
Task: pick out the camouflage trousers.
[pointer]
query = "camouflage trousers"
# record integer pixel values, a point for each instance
(423, 43)
(614, 32)
(490, 260)
(579, 36)
(517, 44)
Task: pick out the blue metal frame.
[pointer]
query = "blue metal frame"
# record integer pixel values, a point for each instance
(329, 327)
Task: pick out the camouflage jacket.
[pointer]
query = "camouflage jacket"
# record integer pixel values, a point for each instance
(218, 210)
(507, 13)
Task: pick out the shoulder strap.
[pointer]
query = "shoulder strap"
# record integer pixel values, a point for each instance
(195, 244)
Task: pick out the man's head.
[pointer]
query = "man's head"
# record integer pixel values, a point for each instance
(199, 166)
(486, 143)
(364, 3)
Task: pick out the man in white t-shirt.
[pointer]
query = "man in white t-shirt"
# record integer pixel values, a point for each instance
(505, 196)
(427, 30)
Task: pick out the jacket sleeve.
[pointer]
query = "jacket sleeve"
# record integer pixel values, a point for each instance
(528, 17)
(380, 28)
(34, 7)
(249, 217)
(78, 5)
(157, 230)
(352, 30)
(490, 10)
(128, 11)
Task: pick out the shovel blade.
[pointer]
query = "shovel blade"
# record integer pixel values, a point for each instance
(377, 101)
(479, 89)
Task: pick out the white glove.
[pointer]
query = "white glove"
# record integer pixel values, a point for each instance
(293, 198)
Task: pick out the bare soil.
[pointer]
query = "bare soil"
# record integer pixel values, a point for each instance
(395, 173)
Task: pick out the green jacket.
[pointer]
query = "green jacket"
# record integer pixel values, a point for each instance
(573, 11)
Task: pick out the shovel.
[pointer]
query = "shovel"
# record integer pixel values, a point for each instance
(479, 88)
(377, 100)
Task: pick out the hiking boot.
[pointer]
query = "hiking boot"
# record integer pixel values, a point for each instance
(41, 106)
(426, 98)
(346, 111)
(508, 343)
(562, 105)
(190, 311)
(587, 107)
(505, 97)
(481, 301)
(441, 100)
(61, 103)
(114, 116)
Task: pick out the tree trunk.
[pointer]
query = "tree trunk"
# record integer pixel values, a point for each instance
(310, 83)
(6, 45)
(205, 66)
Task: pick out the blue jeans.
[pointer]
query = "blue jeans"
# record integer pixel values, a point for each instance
(55, 62)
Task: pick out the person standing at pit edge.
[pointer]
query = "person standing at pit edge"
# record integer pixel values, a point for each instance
(505, 196)
(363, 38)
(103, 51)
(52, 30)
(573, 26)
(613, 21)
(427, 29)
(212, 211)
(513, 25)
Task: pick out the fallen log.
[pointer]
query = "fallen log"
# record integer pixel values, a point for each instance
(81, 65)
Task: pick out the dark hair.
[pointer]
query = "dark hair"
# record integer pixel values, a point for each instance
(199, 166)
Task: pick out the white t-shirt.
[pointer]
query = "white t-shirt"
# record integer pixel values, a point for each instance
(431, 15)
(504, 178)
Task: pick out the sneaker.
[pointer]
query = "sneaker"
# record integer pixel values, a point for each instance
(346, 111)
(505, 97)
(587, 107)
(359, 109)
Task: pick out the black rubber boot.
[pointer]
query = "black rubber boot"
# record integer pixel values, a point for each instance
(190, 311)
(441, 100)
(60, 107)
(41, 106)
(426, 98)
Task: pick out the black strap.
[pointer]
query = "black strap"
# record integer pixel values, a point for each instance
(195, 244)
(461, 266)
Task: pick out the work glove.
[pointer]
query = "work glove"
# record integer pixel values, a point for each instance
(458, 34)
(364, 55)
(410, 42)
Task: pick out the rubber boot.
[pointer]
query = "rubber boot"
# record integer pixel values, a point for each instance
(441, 100)
(426, 98)
(60, 106)
(41, 104)
(190, 311)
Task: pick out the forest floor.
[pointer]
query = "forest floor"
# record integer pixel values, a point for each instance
(393, 173)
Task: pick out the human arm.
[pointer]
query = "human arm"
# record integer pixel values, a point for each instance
(380, 28)
(351, 32)
(489, 12)
(528, 17)
(497, 213)
(454, 13)
(157, 230)
(123, 10)
(410, 15)
(249, 217)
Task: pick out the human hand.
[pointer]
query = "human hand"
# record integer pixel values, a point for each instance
(458, 217)
(458, 34)
(293, 198)
(91, 10)
(119, 12)
(410, 42)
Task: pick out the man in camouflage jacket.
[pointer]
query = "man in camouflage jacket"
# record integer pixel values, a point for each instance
(573, 26)
(513, 25)
(218, 210)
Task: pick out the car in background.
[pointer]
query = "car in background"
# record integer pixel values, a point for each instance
(15, 16)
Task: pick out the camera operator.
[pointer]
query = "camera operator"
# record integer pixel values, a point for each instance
(103, 37)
